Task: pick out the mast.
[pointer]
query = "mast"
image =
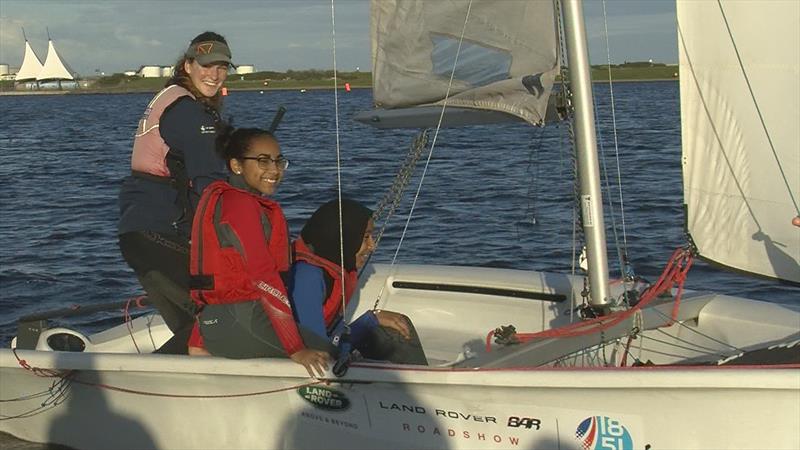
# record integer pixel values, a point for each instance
(586, 142)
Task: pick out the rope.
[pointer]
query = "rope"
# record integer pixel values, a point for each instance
(674, 273)
(430, 153)
(338, 159)
(69, 376)
(159, 394)
(128, 320)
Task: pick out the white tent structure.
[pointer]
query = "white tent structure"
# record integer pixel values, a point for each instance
(31, 65)
(54, 67)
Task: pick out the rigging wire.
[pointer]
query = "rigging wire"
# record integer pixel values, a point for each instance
(616, 142)
(693, 330)
(338, 161)
(391, 201)
(625, 271)
(566, 94)
(532, 169)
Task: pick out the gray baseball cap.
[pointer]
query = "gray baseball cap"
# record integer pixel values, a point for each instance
(208, 52)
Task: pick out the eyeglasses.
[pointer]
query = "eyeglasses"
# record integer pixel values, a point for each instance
(264, 161)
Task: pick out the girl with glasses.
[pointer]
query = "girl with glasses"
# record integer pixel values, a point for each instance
(239, 257)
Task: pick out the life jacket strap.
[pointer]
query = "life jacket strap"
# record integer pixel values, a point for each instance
(201, 282)
(154, 178)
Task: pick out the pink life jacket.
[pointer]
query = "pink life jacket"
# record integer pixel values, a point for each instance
(149, 149)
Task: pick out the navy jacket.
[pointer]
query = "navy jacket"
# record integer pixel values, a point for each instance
(151, 205)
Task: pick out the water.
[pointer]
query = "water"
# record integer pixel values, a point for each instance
(497, 196)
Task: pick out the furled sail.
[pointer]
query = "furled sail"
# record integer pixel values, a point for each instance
(740, 110)
(31, 65)
(54, 67)
(507, 62)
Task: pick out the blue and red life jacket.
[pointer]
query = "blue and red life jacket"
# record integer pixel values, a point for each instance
(332, 306)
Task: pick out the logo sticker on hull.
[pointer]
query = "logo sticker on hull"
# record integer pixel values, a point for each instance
(603, 433)
(324, 398)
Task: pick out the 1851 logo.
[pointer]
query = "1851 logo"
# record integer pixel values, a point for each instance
(603, 433)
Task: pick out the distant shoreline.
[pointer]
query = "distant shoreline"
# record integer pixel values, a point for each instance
(248, 89)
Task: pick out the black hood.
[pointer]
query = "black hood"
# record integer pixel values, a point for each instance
(321, 232)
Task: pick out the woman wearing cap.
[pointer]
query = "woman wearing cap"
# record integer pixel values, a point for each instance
(173, 160)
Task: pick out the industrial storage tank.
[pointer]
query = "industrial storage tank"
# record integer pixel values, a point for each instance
(245, 69)
(166, 71)
(4, 70)
(150, 72)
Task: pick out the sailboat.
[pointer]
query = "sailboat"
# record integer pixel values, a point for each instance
(697, 377)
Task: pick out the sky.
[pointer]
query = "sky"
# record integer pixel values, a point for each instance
(118, 35)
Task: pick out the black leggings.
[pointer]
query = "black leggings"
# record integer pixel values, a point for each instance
(161, 263)
(243, 330)
(387, 344)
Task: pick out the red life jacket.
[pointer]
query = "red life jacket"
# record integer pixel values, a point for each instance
(332, 307)
(218, 269)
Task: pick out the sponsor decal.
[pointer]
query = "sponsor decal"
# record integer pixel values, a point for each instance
(450, 414)
(402, 408)
(460, 434)
(324, 398)
(273, 291)
(524, 422)
(206, 129)
(603, 433)
(586, 208)
(329, 420)
(461, 416)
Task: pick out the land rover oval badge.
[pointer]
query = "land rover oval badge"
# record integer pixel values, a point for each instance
(324, 398)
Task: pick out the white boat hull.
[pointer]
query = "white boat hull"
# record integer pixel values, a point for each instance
(409, 408)
(128, 400)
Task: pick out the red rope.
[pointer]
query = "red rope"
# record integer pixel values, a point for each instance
(674, 273)
(45, 373)
(627, 352)
(489, 336)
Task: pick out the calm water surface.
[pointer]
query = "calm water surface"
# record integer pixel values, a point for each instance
(497, 196)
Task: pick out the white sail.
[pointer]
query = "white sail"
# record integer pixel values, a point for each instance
(54, 67)
(31, 65)
(507, 59)
(740, 103)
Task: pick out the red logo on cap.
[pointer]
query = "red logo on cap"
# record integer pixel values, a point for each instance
(205, 49)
